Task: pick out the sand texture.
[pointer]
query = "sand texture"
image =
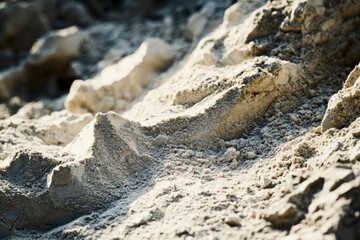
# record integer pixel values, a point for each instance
(180, 119)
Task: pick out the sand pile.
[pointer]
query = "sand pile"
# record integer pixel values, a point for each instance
(180, 119)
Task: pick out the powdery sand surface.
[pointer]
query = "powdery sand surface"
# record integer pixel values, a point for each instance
(188, 120)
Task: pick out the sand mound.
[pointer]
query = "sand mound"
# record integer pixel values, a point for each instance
(90, 174)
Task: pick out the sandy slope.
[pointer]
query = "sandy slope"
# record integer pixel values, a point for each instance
(193, 119)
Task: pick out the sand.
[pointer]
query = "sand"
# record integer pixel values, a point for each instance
(180, 120)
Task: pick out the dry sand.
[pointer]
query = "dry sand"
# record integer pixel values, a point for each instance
(186, 119)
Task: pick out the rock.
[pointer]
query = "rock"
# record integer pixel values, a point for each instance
(48, 67)
(49, 57)
(353, 77)
(48, 8)
(236, 56)
(120, 83)
(207, 58)
(232, 14)
(266, 23)
(184, 231)
(265, 182)
(344, 107)
(57, 48)
(160, 140)
(21, 24)
(248, 22)
(230, 155)
(293, 22)
(233, 221)
(286, 216)
(197, 22)
(305, 192)
(355, 153)
(9, 80)
(250, 155)
(75, 13)
(239, 11)
(336, 206)
(188, 154)
(356, 132)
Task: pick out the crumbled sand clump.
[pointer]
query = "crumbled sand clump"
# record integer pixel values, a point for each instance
(192, 119)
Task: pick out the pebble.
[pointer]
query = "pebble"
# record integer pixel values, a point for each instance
(265, 182)
(230, 154)
(251, 155)
(160, 140)
(233, 220)
(188, 154)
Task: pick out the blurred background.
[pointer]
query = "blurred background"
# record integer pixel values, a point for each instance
(40, 60)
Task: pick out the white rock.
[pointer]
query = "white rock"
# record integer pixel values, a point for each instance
(160, 140)
(230, 155)
(344, 106)
(250, 155)
(265, 182)
(232, 220)
(63, 44)
(122, 81)
(198, 21)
